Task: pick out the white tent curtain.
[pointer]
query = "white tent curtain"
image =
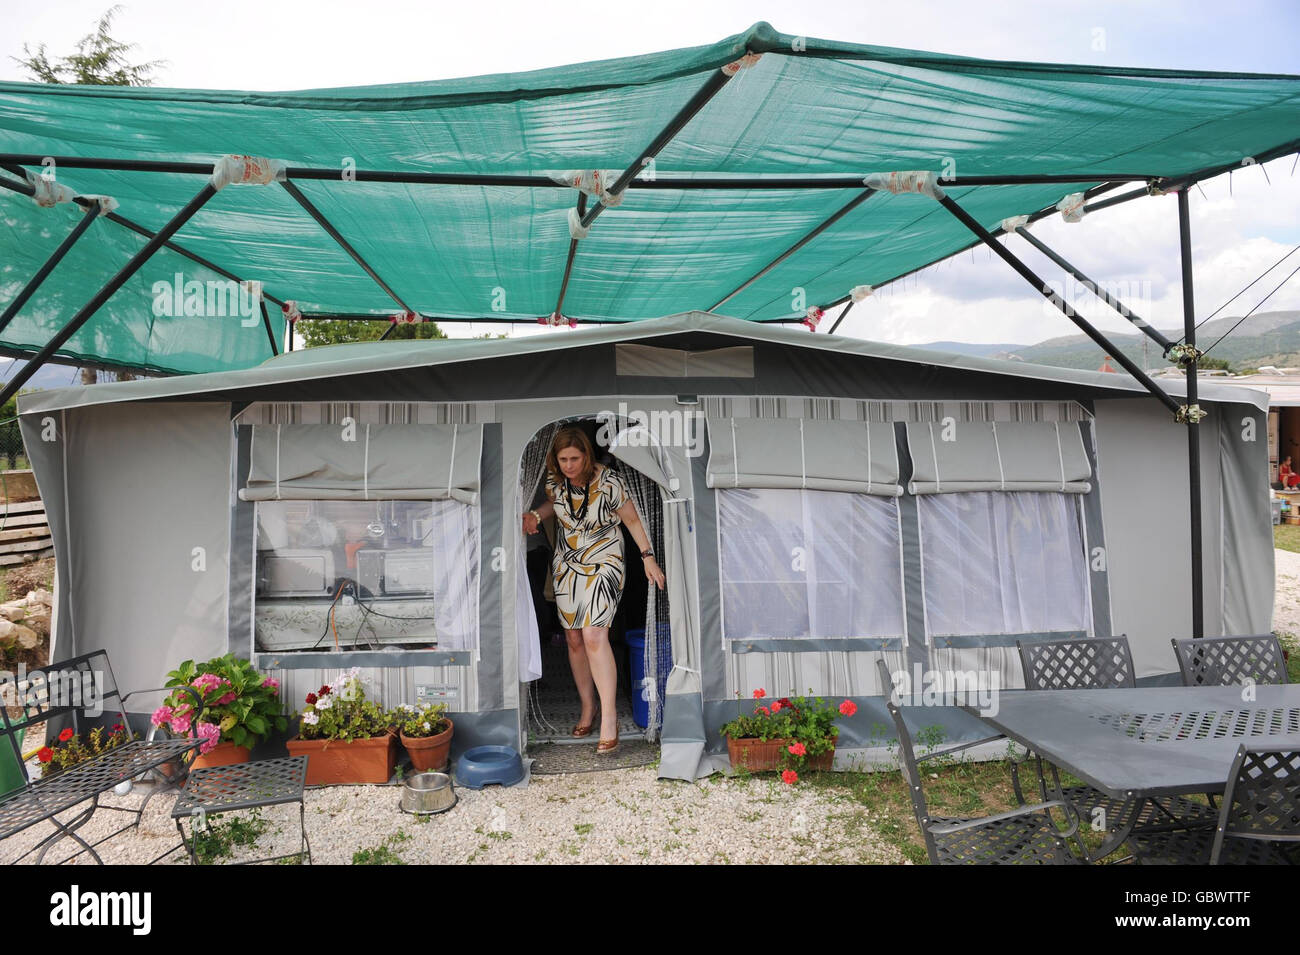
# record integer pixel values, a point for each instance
(373, 462)
(954, 456)
(531, 466)
(658, 652)
(809, 564)
(1010, 562)
(817, 454)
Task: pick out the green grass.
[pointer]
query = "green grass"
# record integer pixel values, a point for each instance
(221, 837)
(1287, 537)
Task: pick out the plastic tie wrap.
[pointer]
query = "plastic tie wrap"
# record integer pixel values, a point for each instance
(407, 318)
(1071, 207)
(594, 183)
(813, 318)
(860, 293)
(49, 192)
(246, 170)
(744, 63)
(291, 312)
(556, 320)
(576, 229)
(1012, 223)
(917, 180)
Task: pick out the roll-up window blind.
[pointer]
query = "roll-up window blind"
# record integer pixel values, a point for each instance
(957, 456)
(398, 462)
(819, 455)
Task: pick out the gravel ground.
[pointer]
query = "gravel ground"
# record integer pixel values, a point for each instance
(620, 816)
(1286, 603)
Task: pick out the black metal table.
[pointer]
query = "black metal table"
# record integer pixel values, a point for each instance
(1136, 744)
(267, 782)
(44, 799)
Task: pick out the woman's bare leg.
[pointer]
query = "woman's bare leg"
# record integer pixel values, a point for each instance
(581, 668)
(600, 657)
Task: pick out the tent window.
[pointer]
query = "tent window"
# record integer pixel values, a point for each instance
(805, 563)
(366, 575)
(1003, 563)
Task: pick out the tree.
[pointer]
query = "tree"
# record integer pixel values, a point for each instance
(340, 332)
(100, 60)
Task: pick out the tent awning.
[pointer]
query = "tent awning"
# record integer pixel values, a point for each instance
(806, 110)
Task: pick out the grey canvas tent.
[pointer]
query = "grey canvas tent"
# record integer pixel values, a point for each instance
(818, 501)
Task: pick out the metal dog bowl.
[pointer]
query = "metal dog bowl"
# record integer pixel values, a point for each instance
(426, 793)
(489, 764)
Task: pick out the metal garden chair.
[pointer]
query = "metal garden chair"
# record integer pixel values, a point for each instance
(1024, 836)
(1258, 823)
(1231, 661)
(1099, 663)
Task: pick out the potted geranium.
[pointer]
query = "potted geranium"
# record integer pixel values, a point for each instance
(241, 708)
(346, 737)
(426, 731)
(796, 733)
(70, 748)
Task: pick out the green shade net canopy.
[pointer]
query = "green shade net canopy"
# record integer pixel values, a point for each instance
(806, 110)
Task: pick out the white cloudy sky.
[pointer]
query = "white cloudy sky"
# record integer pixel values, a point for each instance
(291, 44)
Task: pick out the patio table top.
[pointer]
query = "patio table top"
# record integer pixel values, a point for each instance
(1148, 741)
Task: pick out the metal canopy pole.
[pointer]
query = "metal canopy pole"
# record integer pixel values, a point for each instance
(1192, 418)
(716, 81)
(1005, 254)
(847, 308)
(568, 262)
(135, 227)
(826, 224)
(1152, 333)
(92, 213)
(266, 323)
(116, 282)
(315, 213)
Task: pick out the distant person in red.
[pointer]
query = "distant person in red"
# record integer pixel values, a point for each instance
(1288, 477)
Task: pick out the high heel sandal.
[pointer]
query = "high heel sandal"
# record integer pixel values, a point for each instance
(583, 730)
(607, 747)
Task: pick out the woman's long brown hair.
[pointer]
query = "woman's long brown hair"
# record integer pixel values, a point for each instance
(571, 437)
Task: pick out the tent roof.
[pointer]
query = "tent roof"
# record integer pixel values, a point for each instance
(809, 108)
(336, 361)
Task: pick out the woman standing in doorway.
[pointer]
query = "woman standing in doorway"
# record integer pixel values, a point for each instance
(589, 502)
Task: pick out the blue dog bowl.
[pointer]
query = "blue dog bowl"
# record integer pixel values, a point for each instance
(482, 765)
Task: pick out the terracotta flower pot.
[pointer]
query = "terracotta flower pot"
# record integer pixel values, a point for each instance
(223, 754)
(429, 752)
(333, 761)
(758, 756)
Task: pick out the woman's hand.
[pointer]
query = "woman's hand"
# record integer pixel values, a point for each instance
(531, 523)
(653, 572)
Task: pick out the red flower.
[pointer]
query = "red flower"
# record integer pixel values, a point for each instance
(760, 693)
(323, 691)
(798, 749)
(119, 728)
(45, 755)
(311, 699)
(776, 706)
(848, 707)
(789, 777)
(66, 735)
(764, 710)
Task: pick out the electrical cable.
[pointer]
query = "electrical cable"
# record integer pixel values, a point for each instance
(1252, 311)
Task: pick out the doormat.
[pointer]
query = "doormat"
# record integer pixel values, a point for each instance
(551, 759)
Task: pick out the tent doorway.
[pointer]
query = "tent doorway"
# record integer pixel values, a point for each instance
(553, 707)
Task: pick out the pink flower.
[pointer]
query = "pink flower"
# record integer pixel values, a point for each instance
(797, 749)
(210, 733)
(228, 698)
(789, 777)
(161, 716)
(848, 707)
(760, 693)
(272, 684)
(180, 722)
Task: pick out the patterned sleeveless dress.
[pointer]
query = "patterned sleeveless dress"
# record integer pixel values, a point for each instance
(588, 565)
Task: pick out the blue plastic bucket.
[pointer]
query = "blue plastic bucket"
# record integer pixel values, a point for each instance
(643, 689)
